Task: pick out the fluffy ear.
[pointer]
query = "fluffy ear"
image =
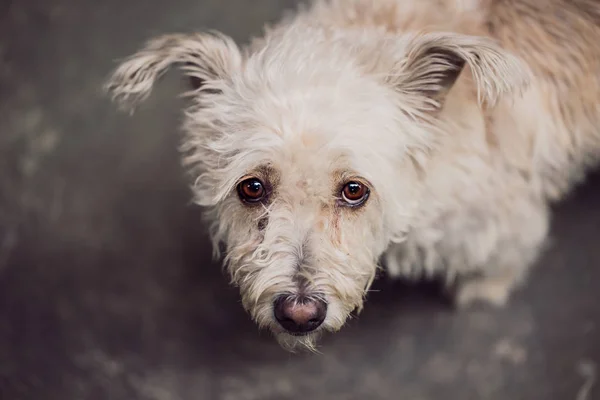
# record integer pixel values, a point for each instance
(204, 57)
(432, 63)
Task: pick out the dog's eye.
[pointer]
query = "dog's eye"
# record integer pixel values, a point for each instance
(355, 193)
(251, 190)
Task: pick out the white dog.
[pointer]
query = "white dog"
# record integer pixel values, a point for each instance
(432, 134)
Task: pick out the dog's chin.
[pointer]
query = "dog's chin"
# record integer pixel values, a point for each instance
(297, 343)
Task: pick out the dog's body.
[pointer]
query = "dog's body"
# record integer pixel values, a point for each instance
(458, 144)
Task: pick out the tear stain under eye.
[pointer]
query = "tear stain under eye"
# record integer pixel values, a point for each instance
(332, 227)
(335, 227)
(262, 223)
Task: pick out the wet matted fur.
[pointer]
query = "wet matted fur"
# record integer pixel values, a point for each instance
(463, 119)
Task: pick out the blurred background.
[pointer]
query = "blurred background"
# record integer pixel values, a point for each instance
(107, 288)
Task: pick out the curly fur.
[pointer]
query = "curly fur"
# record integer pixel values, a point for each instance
(466, 119)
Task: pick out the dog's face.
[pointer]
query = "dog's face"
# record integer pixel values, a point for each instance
(308, 152)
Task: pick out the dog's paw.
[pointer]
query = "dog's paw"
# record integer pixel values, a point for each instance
(493, 292)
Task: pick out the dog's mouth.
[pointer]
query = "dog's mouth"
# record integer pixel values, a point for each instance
(277, 329)
(303, 334)
(295, 342)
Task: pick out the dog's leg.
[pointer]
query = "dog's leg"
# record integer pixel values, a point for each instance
(491, 290)
(507, 265)
(484, 253)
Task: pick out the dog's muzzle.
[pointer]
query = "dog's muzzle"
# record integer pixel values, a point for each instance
(299, 315)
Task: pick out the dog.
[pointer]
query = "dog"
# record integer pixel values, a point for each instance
(428, 138)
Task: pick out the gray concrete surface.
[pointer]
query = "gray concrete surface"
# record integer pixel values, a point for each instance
(107, 290)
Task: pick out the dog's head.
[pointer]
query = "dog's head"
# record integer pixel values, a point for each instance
(307, 151)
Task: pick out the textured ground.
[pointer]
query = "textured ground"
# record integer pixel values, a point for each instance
(107, 290)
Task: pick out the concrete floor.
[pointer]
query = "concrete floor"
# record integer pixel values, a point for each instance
(107, 290)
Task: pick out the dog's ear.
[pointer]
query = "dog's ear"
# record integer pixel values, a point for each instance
(431, 64)
(205, 58)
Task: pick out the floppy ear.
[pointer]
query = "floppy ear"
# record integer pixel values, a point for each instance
(205, 58)
(432, 63)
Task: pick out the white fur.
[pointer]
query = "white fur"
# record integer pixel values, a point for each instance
(358, 90)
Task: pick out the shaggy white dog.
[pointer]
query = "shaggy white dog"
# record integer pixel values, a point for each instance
(431, 133)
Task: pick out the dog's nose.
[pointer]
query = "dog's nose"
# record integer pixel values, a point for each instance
(299, 315)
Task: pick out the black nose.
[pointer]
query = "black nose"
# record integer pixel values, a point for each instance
(298, 315)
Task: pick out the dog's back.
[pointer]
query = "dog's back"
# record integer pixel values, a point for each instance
(557, 123)
(552, 133)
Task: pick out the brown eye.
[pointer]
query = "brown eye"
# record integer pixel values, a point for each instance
(251, 190)
(355, 193)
